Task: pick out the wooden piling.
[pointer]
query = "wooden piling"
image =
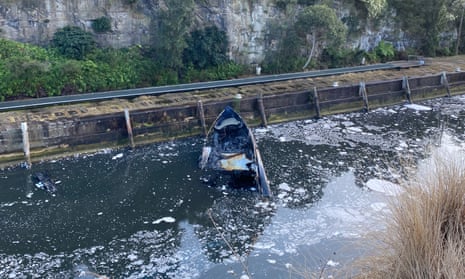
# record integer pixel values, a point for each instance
(201, 114)
(261, 107)
(445, 83)
(129, 127)
(26, 144)
(363, 92)
(316, 99)
(237, 102)
(406, 88)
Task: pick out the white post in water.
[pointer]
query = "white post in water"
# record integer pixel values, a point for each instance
(26, 145)
(201, 113)
(237, 102)
(129, 127)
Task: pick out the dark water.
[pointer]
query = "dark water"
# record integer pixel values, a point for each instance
(147, 213)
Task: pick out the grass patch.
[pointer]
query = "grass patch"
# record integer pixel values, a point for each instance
(425, 237)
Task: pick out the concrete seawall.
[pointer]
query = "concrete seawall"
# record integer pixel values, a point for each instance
(68, 132)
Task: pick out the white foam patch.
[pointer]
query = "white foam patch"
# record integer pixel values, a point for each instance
(417, 107)
(332, 263)
(384, 186)
(117, 156)
(345, 211)
(190, 255)
(261, 130)
(284, 186)
(450, 151)
(164, 220)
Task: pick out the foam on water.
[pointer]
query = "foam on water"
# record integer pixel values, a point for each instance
(384, 186)
(345, 211)
(331, 178)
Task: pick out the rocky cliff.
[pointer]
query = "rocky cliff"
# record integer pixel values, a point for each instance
(245, 21)
(36, 21)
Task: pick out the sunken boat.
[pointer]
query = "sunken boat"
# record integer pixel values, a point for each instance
(230, 148)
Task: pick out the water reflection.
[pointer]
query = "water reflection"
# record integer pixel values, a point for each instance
(147, 212)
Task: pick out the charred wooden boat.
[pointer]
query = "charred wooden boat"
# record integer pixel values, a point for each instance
(230, 148)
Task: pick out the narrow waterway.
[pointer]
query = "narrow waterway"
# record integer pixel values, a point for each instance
(148, 213)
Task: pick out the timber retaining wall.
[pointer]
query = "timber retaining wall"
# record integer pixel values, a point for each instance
(71, 135)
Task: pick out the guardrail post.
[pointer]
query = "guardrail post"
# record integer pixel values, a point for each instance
(129, 127)
(26, 145)
(261, 107)
(445, 83)
(362, 91)
(316, 98)
(406, 88)
(201, 113)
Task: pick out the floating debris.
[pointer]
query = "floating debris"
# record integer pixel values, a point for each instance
(43, 181)
(164, 220)
(417, 107)
(117, 156)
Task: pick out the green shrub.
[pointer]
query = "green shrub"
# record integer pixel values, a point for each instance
(10, 49)
(101, 25)
(26, 76)
(336, 58)
(384, 51)
(220, 72)
(73, 42)
(206, 48)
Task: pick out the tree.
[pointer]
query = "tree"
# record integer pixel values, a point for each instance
(423, 21)
(206, 48)
(457, 10)
(287, 55)
(374, 7)
(171, 29)
(321, 28)
(73, 42)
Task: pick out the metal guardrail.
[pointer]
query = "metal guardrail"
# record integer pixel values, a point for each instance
(160, 90)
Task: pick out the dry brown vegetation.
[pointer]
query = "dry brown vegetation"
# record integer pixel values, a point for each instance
(436, 67)
(425, 237)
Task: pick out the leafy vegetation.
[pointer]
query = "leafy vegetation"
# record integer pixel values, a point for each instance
(73, 42)
(206, 48)
(384, 51)
(423, 21)
(73, 64)
(101, 25)
(287, 56)
(310, 36)
(320, 26)
(374, 7)
(170, 32)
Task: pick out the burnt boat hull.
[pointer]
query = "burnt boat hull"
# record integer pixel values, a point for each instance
(230, 148)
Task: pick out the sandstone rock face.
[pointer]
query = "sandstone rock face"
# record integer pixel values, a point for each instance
(245, 22)
(36, 21)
